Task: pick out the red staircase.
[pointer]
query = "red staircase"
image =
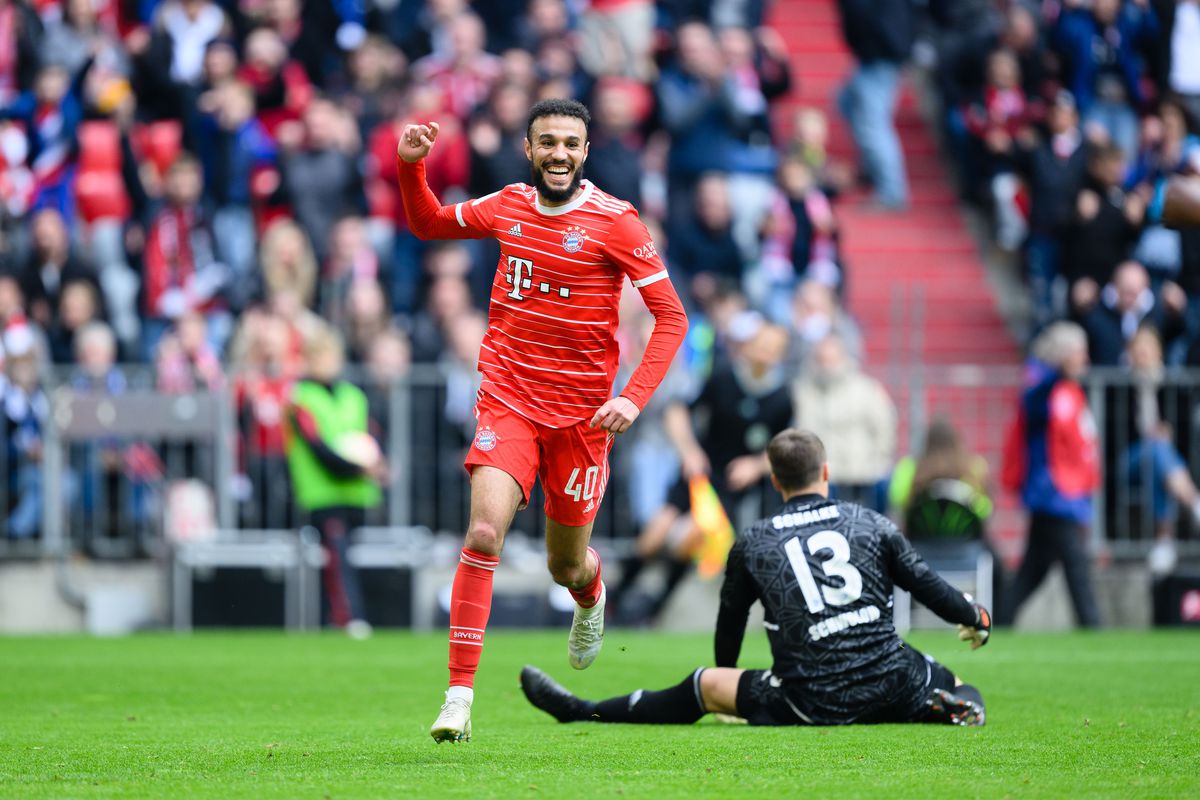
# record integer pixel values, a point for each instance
(916, 281)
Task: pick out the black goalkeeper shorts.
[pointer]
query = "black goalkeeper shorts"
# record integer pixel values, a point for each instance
(762, 698)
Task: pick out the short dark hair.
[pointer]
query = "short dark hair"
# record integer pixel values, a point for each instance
(557, 107)
(796, 457)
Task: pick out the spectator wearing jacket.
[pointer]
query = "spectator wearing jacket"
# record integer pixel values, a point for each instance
(996, 118)
(334, 485)
(51, 113)
(1053, 167)
(1052, 458)
(1112, 315)
(856, 417)
(51, 265)
(880, 33)
(1105, 220)
(708, 114)
(320, 173)
(234, 148)
(1104, 67)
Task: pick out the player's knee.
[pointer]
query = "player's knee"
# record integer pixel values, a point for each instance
(569, 573)
(484, 537)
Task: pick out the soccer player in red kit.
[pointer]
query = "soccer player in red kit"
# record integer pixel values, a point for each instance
(545, 408)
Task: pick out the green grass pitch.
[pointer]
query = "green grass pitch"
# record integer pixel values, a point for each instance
(268, 715)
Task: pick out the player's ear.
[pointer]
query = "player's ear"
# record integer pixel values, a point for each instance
(775, 483)
(587, 146)
(528, 149)
(825, 472)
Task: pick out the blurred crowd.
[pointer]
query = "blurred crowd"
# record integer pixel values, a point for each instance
(1065, 119)
(197, 186)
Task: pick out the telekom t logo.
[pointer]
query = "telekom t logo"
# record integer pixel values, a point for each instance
(520, 277)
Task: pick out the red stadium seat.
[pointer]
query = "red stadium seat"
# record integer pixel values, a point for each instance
(99, 147)
(101, 195)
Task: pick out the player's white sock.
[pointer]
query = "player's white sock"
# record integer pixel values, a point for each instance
(463, 692)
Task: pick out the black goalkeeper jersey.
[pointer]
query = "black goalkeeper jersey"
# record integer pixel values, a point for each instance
(824, 571)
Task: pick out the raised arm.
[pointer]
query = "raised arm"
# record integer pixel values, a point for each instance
(427, 218)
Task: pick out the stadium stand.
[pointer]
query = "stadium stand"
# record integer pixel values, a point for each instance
(223, 172)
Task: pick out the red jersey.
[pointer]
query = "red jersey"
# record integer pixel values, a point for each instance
(550, 351)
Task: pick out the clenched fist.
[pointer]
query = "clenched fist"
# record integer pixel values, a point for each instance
(417, 141)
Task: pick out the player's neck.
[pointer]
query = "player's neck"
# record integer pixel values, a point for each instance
(808, 492)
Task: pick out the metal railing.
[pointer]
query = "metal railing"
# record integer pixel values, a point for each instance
(1141, 449)
(109, 460)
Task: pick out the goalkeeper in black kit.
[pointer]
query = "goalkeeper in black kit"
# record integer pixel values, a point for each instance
(824, 572)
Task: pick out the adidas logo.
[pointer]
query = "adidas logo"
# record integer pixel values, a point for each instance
(515, 230)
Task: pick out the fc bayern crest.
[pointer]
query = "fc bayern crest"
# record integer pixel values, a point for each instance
(485, 439)
(573, 239)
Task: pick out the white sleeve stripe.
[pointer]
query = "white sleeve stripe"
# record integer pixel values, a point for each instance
(458, 215)
(479, 200)
(655, 278)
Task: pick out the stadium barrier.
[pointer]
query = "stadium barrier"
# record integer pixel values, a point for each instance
(116, 467)
(1135, 502)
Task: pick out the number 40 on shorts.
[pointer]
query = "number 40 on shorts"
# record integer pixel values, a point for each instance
(585, 490)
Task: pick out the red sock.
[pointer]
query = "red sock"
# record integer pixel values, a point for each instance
(589, 595)
(470, 605)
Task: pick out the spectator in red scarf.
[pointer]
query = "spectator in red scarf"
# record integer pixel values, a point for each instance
(180, 271)
(1000, 115)
(465, 72)
(281, 87)
(265, 363)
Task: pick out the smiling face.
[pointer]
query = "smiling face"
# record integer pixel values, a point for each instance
(556, 147)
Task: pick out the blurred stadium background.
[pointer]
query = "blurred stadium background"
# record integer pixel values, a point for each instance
(189, 187)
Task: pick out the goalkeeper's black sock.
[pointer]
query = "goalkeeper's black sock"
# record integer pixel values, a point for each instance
(969, 692)
(679, 705)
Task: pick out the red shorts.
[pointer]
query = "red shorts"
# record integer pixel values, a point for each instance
(571, 462)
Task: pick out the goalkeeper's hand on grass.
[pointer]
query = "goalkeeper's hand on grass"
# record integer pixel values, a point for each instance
(978, 633)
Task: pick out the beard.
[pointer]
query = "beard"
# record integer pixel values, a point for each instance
(549, 192)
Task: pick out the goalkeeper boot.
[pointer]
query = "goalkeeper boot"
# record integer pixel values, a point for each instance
(454, 722)
(953, 709)
(587, 633)
(542, 691)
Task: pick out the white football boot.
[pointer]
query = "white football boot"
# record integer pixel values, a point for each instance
(587, 633)
(454, 722)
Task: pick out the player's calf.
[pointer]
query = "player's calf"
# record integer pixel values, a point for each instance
(678, 705)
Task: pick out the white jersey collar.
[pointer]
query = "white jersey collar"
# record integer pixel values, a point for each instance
(555, 211)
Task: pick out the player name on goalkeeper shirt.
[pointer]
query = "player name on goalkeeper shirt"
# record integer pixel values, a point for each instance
(843, 621)
(798, 518)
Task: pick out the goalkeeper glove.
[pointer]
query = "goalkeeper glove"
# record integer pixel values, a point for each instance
(978, 633)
